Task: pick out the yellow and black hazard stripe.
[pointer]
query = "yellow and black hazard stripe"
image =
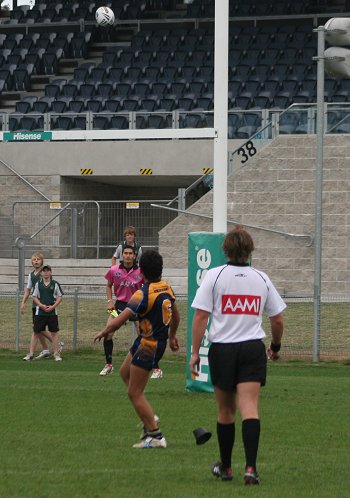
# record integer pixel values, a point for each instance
(208, 171)
(146, 171)
(86, 171)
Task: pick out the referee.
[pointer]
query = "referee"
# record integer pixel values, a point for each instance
(236, 295)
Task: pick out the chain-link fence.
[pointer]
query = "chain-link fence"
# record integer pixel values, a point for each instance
(81, 315)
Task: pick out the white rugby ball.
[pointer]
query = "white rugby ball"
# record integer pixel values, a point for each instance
(104, 16)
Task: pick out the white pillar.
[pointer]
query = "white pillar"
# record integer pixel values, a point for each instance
(220, 115)
(318, 193)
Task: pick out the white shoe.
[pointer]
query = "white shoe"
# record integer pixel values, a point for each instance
(106, 370)
(28, 357)
(144, 432)
(60, 347)
(57, 357)
(151, 442)
(157, 373)
(44, 354)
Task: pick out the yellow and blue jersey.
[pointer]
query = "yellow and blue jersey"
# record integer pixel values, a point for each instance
(153, 304)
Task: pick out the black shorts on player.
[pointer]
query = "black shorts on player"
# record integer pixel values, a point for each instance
(234, 363)
(120, 306)
(41, 321)
(147, 353)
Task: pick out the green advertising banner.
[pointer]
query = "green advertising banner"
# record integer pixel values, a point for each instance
(20, 136)
(204, 252)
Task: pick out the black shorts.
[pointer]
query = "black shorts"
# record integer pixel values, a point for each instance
(147, 353)
(41, 321)
(234, 363)
(120, 306)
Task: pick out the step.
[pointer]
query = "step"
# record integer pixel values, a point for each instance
(72, 63)
(85, 274)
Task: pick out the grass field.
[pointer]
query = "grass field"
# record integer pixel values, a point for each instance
(66, 432)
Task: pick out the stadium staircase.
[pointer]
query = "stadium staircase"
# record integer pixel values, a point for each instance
(275, 191)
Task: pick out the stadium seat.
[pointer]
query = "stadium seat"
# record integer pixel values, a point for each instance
(261, 101)
(130, 104)
(27, 123)
(288, 122)
(106, 89)
(187, 102)
(6, 77)
(119, 122)
(78, 47)
(70, 90)
(76, 105)
(79, 122)
(113, 104)
(141, 89)
(101, 122)
(43, 105)
(250, 123)
(156, 121)
(95, 104)
(167, 104)
(281, 101)
(23, 106)
(243, 102)
(191, 121)
(30, 99)
(124, 90)
(159, 88)
(50, 62)
(87, 90)
(116, 74)
(149, 104)
(205, 103)
(234, 120)
(63, 122)
(97, 75)
(58, 106)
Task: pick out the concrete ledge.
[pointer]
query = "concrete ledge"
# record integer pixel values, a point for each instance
(87, 275)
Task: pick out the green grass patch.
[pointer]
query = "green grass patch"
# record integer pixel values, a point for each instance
(66, 432)
(92, 316)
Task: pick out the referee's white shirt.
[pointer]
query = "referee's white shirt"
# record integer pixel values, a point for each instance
(236, 297)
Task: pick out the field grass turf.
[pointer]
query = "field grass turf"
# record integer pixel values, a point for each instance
(66, 432)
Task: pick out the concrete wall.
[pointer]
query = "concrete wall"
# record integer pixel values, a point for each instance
(106, 158)
(275, 190)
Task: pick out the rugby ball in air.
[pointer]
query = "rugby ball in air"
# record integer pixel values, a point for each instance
(104, 16)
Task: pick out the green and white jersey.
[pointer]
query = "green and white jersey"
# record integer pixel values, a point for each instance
(47, 295)
(33, 278)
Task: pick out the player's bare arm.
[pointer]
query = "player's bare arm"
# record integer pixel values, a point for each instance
(174, 324)
(109, 295)
(199, 325)
(277, 327)
(114, 324)
(24, 300)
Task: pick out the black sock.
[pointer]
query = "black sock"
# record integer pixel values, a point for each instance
(108, 347)
(226, 440)
(251, 434)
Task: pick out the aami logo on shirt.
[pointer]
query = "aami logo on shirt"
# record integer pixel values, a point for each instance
(232, 304)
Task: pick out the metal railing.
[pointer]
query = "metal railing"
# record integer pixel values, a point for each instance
(85, 229)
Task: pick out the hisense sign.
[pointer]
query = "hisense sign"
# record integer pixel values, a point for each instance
(19, 136)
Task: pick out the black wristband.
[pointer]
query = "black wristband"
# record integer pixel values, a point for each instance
(275, 347)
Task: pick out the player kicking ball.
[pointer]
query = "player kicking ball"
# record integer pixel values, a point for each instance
(159, 318)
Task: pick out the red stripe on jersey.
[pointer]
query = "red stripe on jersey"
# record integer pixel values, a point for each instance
(232, 304)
